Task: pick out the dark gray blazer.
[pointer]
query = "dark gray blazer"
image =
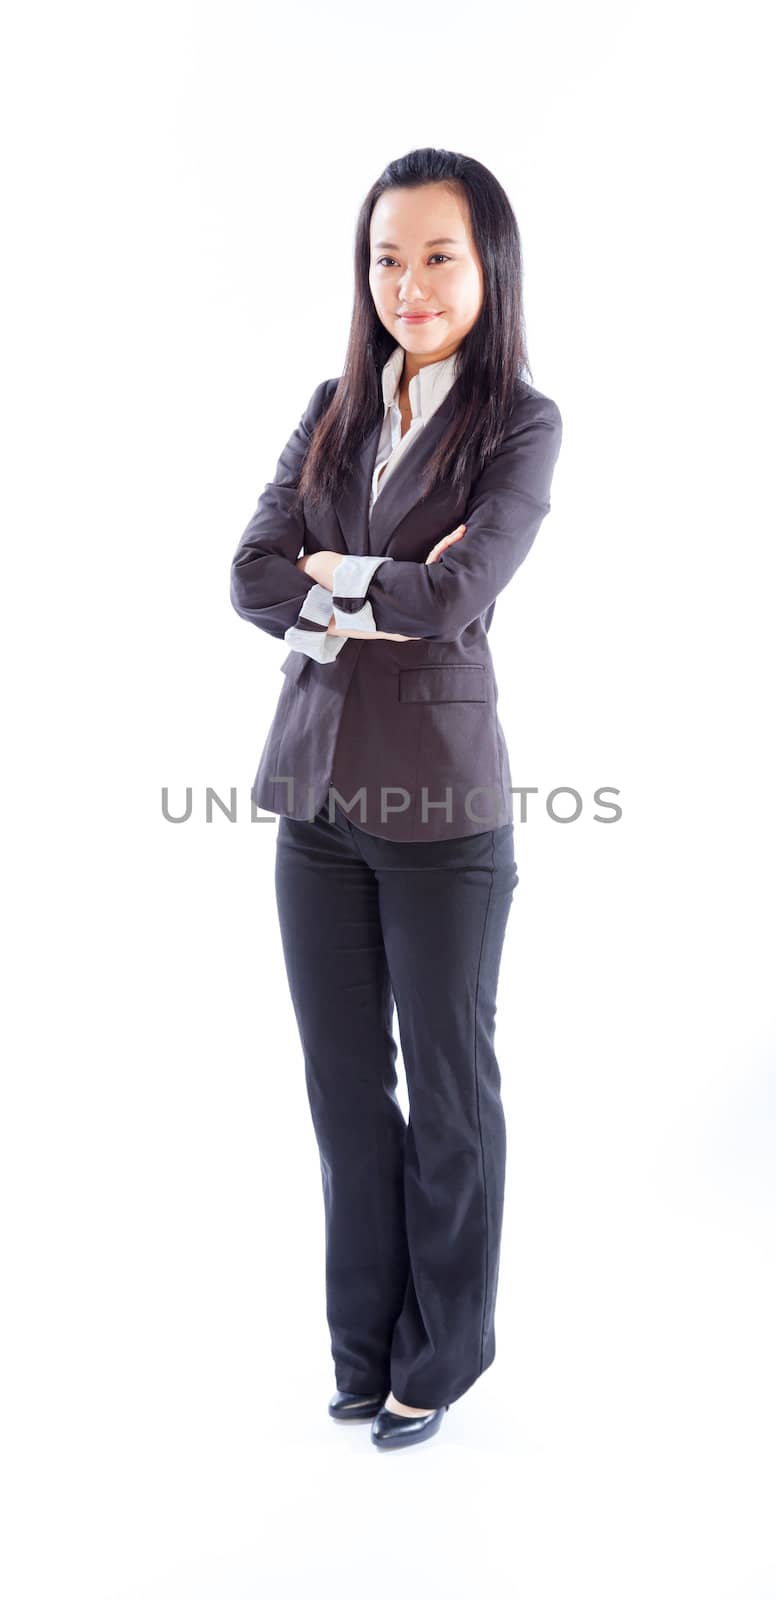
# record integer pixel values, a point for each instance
(407, 734)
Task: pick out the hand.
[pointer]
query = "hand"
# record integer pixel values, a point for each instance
(433, 555)
(449, 539)
(367, 633)
(321, 566)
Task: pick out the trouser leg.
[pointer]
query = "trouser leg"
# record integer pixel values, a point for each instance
(443, 911)
(340, 988)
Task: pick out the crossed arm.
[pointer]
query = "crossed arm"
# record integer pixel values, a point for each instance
(322, 565)
(374, 597)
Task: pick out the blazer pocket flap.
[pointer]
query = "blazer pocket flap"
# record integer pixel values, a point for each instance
(295, 664)
(445, 682)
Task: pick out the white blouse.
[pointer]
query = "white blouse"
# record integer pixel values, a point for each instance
(426, 391)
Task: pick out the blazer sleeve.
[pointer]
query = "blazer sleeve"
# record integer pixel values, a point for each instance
(508, 503)
(266, 586)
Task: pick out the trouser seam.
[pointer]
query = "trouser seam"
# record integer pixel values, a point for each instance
(477, 1093)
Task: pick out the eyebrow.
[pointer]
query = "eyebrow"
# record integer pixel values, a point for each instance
(385, 244)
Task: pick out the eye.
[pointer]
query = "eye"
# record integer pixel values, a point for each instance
(436, 257)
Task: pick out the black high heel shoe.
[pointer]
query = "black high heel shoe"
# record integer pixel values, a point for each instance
(390, 1431)
(347, 1407)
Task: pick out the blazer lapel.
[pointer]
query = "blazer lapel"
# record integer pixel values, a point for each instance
(364, 535)
(352, 507)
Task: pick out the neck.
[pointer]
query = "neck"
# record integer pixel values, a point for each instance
(413, 364)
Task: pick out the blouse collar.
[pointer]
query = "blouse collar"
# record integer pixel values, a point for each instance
(427, 389)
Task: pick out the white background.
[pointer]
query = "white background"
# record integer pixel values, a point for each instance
(181, 183)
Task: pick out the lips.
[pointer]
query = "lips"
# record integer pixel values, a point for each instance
(419, 316)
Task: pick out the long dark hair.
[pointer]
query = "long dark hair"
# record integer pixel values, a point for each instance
(491, 358)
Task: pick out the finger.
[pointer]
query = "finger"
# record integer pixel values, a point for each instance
(443, 544)
(449, 537)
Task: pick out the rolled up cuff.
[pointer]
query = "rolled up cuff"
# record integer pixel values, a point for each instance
(351, 581)
(309, 633)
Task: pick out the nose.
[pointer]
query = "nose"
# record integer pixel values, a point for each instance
(410, 289)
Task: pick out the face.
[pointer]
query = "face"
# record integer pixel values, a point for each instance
(423, 260)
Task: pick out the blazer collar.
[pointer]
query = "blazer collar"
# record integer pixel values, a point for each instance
(434, 398)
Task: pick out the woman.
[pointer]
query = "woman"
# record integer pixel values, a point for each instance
(414, 487)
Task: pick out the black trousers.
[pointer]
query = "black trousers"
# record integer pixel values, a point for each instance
(413, 1210)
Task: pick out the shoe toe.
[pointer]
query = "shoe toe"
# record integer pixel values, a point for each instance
(391, 1431)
